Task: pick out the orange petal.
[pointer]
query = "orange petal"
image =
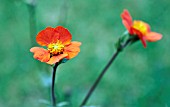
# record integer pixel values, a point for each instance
(40, 54)
(126, 19)
(57, 58)
(140, 35)
(47, 36)
(153, 36)
(64, 35)
(140, 25)
(147, 26)
(143, 41)
(73, 49)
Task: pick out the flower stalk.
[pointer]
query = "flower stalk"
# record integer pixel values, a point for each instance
(53, 97)
(119, 49)
(31, 4)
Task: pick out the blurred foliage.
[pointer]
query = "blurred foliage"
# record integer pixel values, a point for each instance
(140, 77)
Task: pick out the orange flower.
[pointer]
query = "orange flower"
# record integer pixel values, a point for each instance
(139, 28)
(58, 43)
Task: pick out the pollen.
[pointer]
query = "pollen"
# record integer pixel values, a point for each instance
(140, 26)
(56, 48)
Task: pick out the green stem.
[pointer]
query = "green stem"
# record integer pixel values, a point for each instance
(119, 49)
(53, 97)
(32, 20)
(63, 12)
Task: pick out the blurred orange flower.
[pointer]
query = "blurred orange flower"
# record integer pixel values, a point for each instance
(58, 43)
(139, 28)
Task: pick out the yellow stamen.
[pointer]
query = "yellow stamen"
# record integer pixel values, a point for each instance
(56, 48)
(141, 26)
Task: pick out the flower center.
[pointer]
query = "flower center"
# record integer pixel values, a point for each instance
(140, 26)
(56, 48)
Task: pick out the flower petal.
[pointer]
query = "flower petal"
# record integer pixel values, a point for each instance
(64, 35)
(147, 27)
(73, 49)
(143, 41)
(142, 26)
(126, 19)
(47, 36)
(40, 54)
(138, 33)
(57, 58)
(153, 36)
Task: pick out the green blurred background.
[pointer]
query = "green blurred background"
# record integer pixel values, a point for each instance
(139, 77)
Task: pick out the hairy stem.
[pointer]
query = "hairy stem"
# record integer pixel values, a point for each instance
(32, 20)
(63, 12)
(121, 47)
(53, 97)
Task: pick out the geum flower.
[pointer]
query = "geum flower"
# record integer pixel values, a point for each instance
(58, 43)
(139, 28)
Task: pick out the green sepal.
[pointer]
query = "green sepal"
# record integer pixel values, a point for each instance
(64, 60)
(134, 38)
(121, 40)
